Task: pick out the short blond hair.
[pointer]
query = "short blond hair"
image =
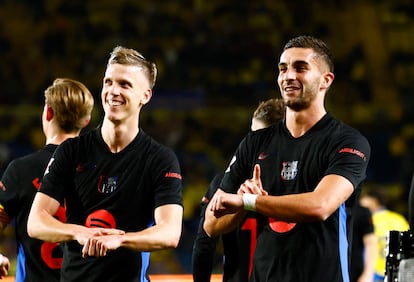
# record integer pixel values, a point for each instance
(127, 56)
(71, 102)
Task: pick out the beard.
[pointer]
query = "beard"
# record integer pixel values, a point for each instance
(303, 101)
(298, 104)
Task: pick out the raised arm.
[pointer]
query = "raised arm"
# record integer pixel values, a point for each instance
(329, 194)
(226, 210)
(223, 213)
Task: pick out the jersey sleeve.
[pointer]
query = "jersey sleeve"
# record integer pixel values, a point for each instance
(58, 174)
(167, 178)
(350, 157)
(8, 192)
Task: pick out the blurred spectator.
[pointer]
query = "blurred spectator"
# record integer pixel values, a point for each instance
(385, 220)
(364, 245)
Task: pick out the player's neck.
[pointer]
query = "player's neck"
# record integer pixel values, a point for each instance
(118, 136)
(58, 138)
(299, 122)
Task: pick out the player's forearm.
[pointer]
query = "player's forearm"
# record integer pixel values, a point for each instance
(46, 228)
(215, 226)
(150, 240)
(317, 205)
(291, 208)
(153, 238)
(165, 234)
(42, 225)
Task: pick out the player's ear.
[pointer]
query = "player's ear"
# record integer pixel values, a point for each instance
(87, 120)
(49, 113)
(327, 80)
(146, 97)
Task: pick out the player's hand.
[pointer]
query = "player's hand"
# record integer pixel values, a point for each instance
(98, 246)
(83, 233)
(225, 203)
(253, 185)
(4, 266)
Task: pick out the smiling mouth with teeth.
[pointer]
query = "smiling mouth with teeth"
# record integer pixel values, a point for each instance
(291, 89)
(114, 102)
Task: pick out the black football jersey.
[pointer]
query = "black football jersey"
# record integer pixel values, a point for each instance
(238, 245)
(36, 260)
(111, 190)
(289, 251)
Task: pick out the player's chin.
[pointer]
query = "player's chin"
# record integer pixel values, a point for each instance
(114, 115)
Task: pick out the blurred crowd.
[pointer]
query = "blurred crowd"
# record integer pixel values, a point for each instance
(216, 62)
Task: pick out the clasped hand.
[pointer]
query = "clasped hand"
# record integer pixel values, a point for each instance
(224, 203)
(98, 241)
(4, 266)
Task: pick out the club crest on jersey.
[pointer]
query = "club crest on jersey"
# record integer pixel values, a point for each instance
(107, 184)
(289, 170)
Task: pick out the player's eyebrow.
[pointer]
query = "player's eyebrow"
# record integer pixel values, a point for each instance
(295, 63)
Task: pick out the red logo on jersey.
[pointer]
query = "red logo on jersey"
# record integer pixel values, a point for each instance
(101, 218)
(173, 174)
(280, 226)
(47, 251)
(353, 151)
(51, 253)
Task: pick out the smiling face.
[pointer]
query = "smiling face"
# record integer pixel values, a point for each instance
(303, 76)
(125, 90)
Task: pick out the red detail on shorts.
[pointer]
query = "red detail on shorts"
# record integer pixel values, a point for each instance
(173, 174)
(101, 218)
(280, 226)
